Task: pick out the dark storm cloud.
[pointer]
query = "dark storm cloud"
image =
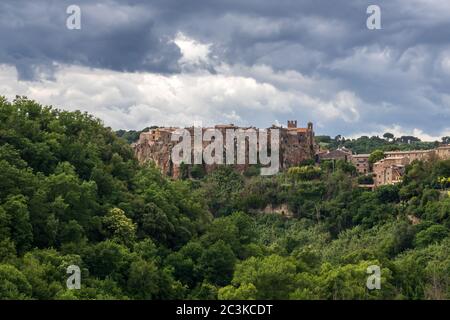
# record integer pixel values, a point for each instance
(33, 33)
(398, 75)
(34, 36)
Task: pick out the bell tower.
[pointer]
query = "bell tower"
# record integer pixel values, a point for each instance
(292, 124)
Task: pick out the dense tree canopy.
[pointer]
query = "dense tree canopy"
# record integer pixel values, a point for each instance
(72, 193)
(367, 144)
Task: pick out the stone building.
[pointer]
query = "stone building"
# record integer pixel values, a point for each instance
(443, 152)
(343, 154)
(295, 145)
(361, 162)
(420, 155)
(389, 170)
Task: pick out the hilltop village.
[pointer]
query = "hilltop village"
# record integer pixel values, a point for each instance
(391, 168)
(297, 145)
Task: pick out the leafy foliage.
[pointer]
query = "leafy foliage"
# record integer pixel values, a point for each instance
(72, 193)
(368, 145)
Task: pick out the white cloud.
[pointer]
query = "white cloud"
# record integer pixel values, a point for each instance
(399, 131)
(366, 60)
(346, 104)
(136, 100)
(193, 52)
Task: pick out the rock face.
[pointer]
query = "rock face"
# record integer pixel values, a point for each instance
(282, 210)
(156, 146)
(295, 146)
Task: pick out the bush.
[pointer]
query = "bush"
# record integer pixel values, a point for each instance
(198, 172)
(367, 179)
(252, 171)
(433, 234)
(305, 172)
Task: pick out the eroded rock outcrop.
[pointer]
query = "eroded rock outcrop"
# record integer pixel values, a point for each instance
(295, 146)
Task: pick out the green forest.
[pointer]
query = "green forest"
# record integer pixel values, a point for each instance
(72, 193)
(365, 144)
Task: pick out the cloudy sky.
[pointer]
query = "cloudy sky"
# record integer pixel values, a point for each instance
(254, 62)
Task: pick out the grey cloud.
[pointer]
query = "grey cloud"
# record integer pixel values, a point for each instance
(325, 41)
(33, 35)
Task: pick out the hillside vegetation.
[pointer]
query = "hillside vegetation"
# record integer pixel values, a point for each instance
(71, 193)
(388, 142)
